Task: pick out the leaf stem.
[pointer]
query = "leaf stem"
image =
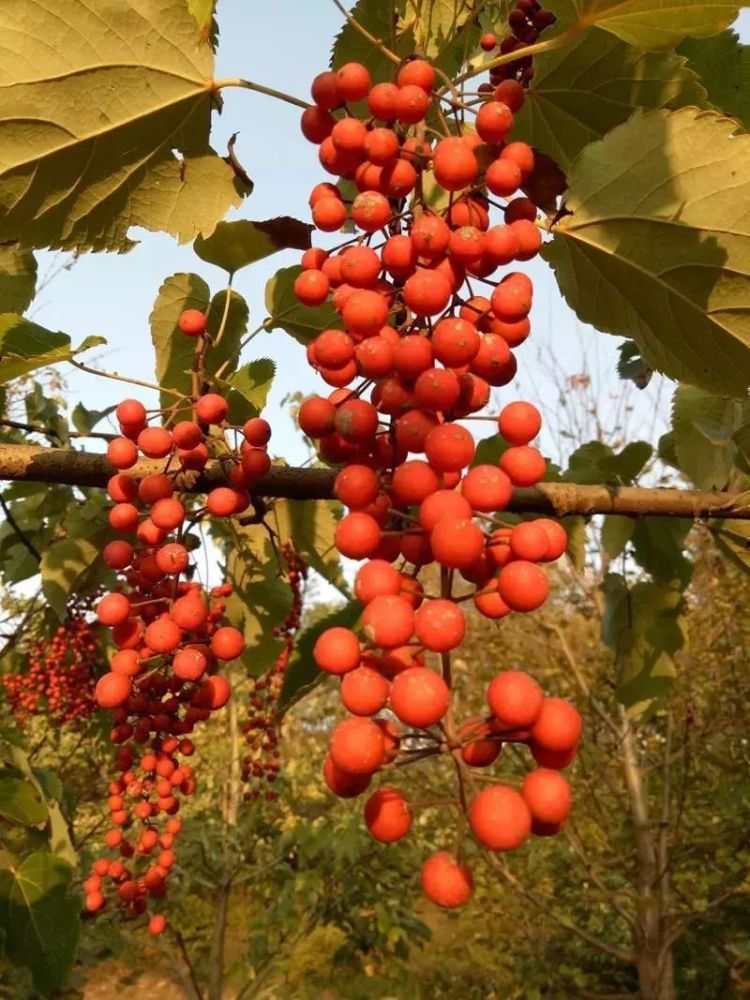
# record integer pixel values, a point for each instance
(259, 88)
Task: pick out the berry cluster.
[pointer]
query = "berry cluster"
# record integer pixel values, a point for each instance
(261, 729)
(526, 22)
(168, 629)
(58, 681)
(428, 350)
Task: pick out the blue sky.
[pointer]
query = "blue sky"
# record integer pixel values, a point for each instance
(112, 295)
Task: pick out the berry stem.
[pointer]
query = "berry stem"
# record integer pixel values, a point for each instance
(259, 88)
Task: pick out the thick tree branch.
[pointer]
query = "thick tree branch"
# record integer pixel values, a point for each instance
(32, 463)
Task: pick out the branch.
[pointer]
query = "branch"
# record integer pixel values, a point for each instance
(64, 466)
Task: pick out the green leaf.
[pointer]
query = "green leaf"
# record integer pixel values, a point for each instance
(39, 918)
(703, 426)
(26, 346)
(489, 450)
(63, 566)
(616, 533)
(585, 465)
(250, 386)
(302, 674)
(17, 278)
(49, 785)
(723, 66)
(733, 539)
(285, 312)
(650, 24)
(381, 19)
(575, 528)
(234, 245)
(437, 24)
(659, 548)
(657, 244)
(741, 438)
(310, 526)
(628, 464)
(584, 90)
(20, 802)
(85, 420)
(109, 130)
(642, 627)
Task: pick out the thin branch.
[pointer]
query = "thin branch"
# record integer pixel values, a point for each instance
(259, 88)
(124, 378)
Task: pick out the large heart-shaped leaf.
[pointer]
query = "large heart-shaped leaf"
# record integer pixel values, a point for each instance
(658, 243)
(108, 128)
(652, 24)
(583, 91)
(26, 346)
(234, 245)
(39, 918)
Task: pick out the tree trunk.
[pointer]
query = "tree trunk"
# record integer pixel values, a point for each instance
(651, 934)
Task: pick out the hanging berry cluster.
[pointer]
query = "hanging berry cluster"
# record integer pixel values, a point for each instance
(60, 672)
(526, 22)
(415, 352)
(261, 763)
(168, 630)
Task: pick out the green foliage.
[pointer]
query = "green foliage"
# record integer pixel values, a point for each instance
(26, 347)
(630, 365)
(655, 246)
(85, 420)
(645, 23)
(20, 802)
(581, 92)
(248, 388)
(302, 674)
(595, 462)
(286, 313)
(733, 540)
(703, 426)
(641, 625)
(309, 526)
(616, 533)
(234, 245)
(381, 19)
(115, 128)
(39, 918)
(724, 68)
(17, 278)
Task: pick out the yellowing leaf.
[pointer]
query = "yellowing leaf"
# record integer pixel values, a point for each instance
(17, 278)
(26, 346)
(657, 247)
(107, 128)
(652, 24)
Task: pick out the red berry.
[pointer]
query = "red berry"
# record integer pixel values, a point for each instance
(499, 818)
(388, 815)
(445, 881)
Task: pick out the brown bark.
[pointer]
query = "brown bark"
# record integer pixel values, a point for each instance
(64, 466)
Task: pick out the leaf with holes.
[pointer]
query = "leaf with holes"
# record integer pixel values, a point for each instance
(17, 278)
(109, 130)
(285, 312)
(234, 245)
(703, 426)
(581, 92)
(302, 674)
(656, 247)
(652, 24)
(26, 346)
(39, 918)
(723, 66)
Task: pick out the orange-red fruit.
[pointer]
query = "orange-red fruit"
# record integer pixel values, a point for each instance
(357, 535)
(316, 416)
(388, 815)
(558, 727)
(523, 585)
(486, 488)
(122, 453)
(414, 481)
(371, 211)
(511, 299)
(439, 625)
(163, 635)
(157, 924)
(214, 693)
(311, 287)
(360, 267)
(343, 784)
(377, 578)
(430, 236)
(503, 177)
(519, 422)
(487, 43)
(353, 81)
(382, 101)
(336, 651)
(412, 104)
(356, 420)
(213, 408)
(113, 609)
(455, 341)
(499, 818)
(189, 664)
(529, 541)
(510, 92)
(356, 486)
(445, 881)
(557, 538)
(365, 312)
(364, 691)
(427, 293)
(456, 543)
(449, 448)
(349, 134)
(524, 465)
(325, 91)
(478, 749)
(515, 699)
(357, 746)
(316, 124)
(440, 505)
(227, 643)
(556, 760)
(118, 554)
(416, 73)
(454, 164)
(419, 697)
(112, 690)
(192, 322)
(548, 796)
(388, 621)
(168, 514)
(494, 121)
